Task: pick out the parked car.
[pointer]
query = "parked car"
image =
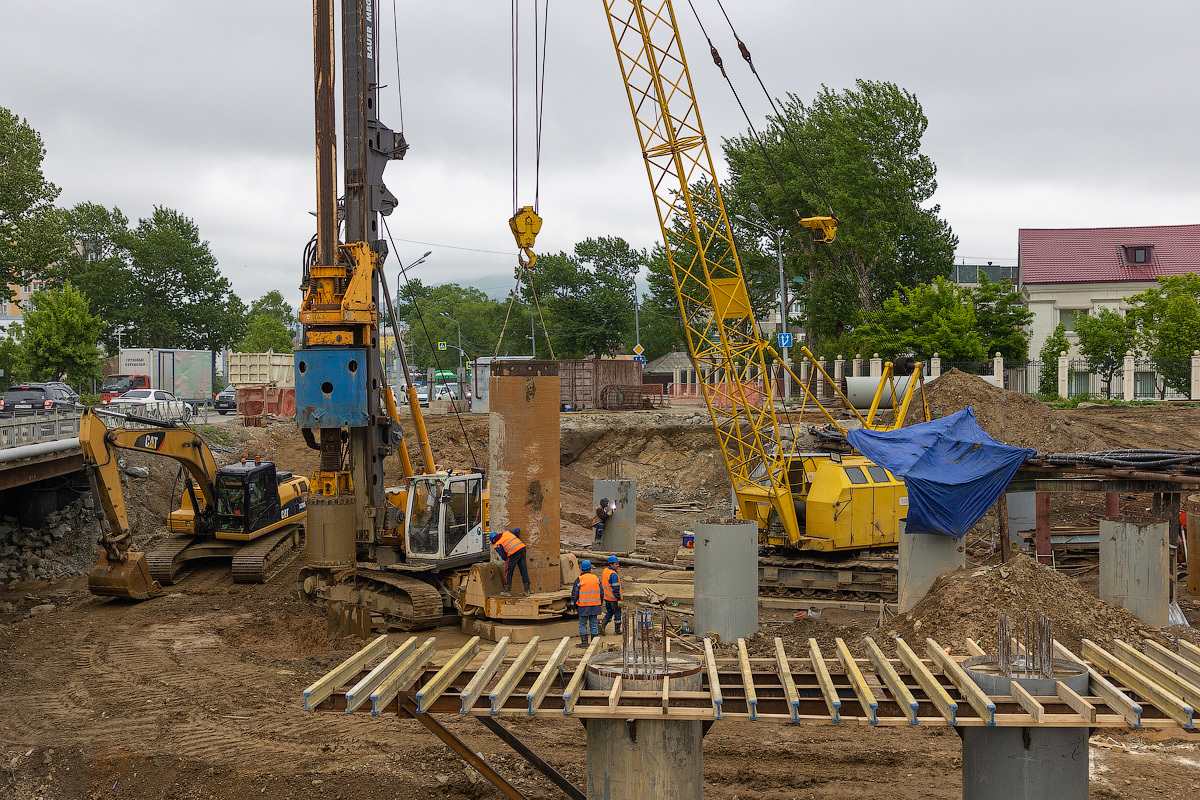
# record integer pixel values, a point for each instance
(29, 397)
(422, 393)
(157, 403)
(226, 400)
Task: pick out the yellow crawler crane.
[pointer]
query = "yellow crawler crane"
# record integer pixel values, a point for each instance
(817, 503)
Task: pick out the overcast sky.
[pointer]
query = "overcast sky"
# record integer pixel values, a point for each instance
(1067, 114)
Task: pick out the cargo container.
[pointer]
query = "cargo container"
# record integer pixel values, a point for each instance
(262, 369)
(187, 374)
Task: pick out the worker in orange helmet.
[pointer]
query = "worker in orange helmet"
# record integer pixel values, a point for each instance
(515, 557)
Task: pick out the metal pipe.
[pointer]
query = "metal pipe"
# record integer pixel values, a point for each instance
(41, 449)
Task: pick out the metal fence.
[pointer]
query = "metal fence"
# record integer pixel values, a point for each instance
(38, 426)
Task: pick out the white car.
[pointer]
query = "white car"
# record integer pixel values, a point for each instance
(156, 403)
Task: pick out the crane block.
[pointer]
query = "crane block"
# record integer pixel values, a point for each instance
(824, 228)
(525, 225)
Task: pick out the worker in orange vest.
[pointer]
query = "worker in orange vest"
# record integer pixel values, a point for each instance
(610, 587)
(586, 596)
(515, 557)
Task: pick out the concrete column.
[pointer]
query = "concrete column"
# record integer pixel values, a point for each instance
(1112, 504)
(839, 370)
(998, 369)
(1064, 374)
(819, 380)
(523, 466)
(876, 366)
(1135, 571)
(1042, 546)
(727, 578)
(1195, 383)
(1127, 372)
(935, 366)
(923, 557)
(1192, 507)
(856, 369)
(804, 368)
(620, 532)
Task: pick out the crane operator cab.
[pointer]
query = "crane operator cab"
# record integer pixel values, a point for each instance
(445, 520)
(252, 498)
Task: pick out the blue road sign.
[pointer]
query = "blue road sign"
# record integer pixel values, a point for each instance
(785, 340)
(640, 359)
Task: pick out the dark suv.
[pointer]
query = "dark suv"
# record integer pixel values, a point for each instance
(28, 397)
(226, 401)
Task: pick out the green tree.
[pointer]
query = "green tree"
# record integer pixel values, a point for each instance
(59, 335)
(11, 368)
(1167, 320)
(31, 228)
(273, 305)
(430, 313)
(265, 332)
(928, 318)
(1056, 343)
(1001, 319)
(1104, 338)
(863, 146)
(662, 325)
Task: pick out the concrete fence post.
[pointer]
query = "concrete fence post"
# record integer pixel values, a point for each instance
(804, 368)
(819, 379)
(1064, 374)
(856, 366)
(1127, 368)
(998, 369)
(839, 370)
(1194, 388)
(876, 366)
(935, 366)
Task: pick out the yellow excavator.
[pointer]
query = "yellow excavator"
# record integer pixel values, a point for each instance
(248, 511)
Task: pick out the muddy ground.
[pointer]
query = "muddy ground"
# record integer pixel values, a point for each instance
(196, 694)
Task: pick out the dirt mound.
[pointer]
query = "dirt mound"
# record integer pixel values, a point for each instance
(965, 605)
(1010, 417)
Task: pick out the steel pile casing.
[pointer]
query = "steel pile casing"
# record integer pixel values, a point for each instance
(620, 531)
(727, 578)
(1135, 570)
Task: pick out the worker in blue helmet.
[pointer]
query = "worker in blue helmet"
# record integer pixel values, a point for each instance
(586, 596)
(610, 588)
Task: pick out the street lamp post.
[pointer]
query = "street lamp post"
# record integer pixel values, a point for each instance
(777, 235)
(460, 350)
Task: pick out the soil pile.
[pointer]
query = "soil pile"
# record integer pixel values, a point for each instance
(966, 604)
(1010, 417)
(63, 546)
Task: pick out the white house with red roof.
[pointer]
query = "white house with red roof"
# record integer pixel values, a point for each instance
(1068, 272)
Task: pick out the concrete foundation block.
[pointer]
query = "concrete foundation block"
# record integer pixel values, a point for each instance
(1135, 567)
(923, 557)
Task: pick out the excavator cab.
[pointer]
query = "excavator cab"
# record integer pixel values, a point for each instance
(445, 520)
(247, 498)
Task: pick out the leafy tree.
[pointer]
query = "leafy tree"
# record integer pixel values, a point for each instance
(430, 313)
(1056, 343)
(273, 305)
(1167, 320)
(11, 369)
(59, 336)
(265, 332)
(31, 228)
(1001, 319)
(1104, 339)
(662, 325)
(929, 318)
(863, 146)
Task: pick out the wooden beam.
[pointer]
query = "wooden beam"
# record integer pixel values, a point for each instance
(666, 694)
(1185, 669)
(324, 686)
(975, 650)
(891, 679)
(508, 683)
(958, 676)
(1154, 671)
(614, 694)
(1077, 703)
(1189, 651)
(1101, 687)
(436, 686)
(1035, 709)
(785, 677)
(748, 680)
(571, 695)
(1170, 705)
(714, 678)
(358, 694)
(549, 672)
(483, 676)
(832, 702)
(866, 698)
(404, 674)
(933, 689)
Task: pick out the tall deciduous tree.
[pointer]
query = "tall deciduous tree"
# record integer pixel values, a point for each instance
(1167, 320)
(31, 228)
(265, 332)
(273, 305)
(1056, 343)
(59, 335)
(863, 146)
(925, 319)
(1104, 338)
(1001, 319)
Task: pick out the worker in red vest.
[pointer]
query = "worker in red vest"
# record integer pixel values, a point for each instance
(610, 587)
(515, 557)
(586, 597)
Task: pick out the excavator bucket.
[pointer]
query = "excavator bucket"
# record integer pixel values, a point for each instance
(130, 579)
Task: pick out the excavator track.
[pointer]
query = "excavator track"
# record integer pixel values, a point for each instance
(867, 578)
(167, 558)
(424, 602)
(261, 559)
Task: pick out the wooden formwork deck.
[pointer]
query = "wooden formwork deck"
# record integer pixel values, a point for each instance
(1128, 688)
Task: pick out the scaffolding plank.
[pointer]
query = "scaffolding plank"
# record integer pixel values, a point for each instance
(571, 695)
(1102, 687)
(1185, 669)
(404, 674)
(1174, 684)
(1077, 703)
(832, 701)
(975, 650)
(324, 686)
(1027, 702)
(508, 683)
(549, 672)
(887, 673)
(1189, 651)
(1172, 706)
(487, 671)
(933, 689)
(714, 678)
(866, 698)
(748, 680)
(785, 677)
(958, 676)
(358, 694)
(436, 686)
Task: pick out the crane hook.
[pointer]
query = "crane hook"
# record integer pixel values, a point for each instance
(525, 225)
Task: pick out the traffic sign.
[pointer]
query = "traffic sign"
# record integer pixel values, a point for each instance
(785, 340)
(469, 363)
(640, 359)
(441, 345)
(638, 349)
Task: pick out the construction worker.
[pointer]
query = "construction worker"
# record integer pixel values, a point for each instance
(508, 545)
(610, 587)
(603, 512)
(586, 596)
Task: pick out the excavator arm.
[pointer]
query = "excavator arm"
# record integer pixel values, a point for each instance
(121, 571)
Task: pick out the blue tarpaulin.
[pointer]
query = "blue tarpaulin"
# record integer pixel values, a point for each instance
(953, 470)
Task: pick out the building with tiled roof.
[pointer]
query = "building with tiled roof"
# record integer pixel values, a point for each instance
(1069, 272)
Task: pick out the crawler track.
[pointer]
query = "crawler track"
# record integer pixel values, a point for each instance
(262, 558)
